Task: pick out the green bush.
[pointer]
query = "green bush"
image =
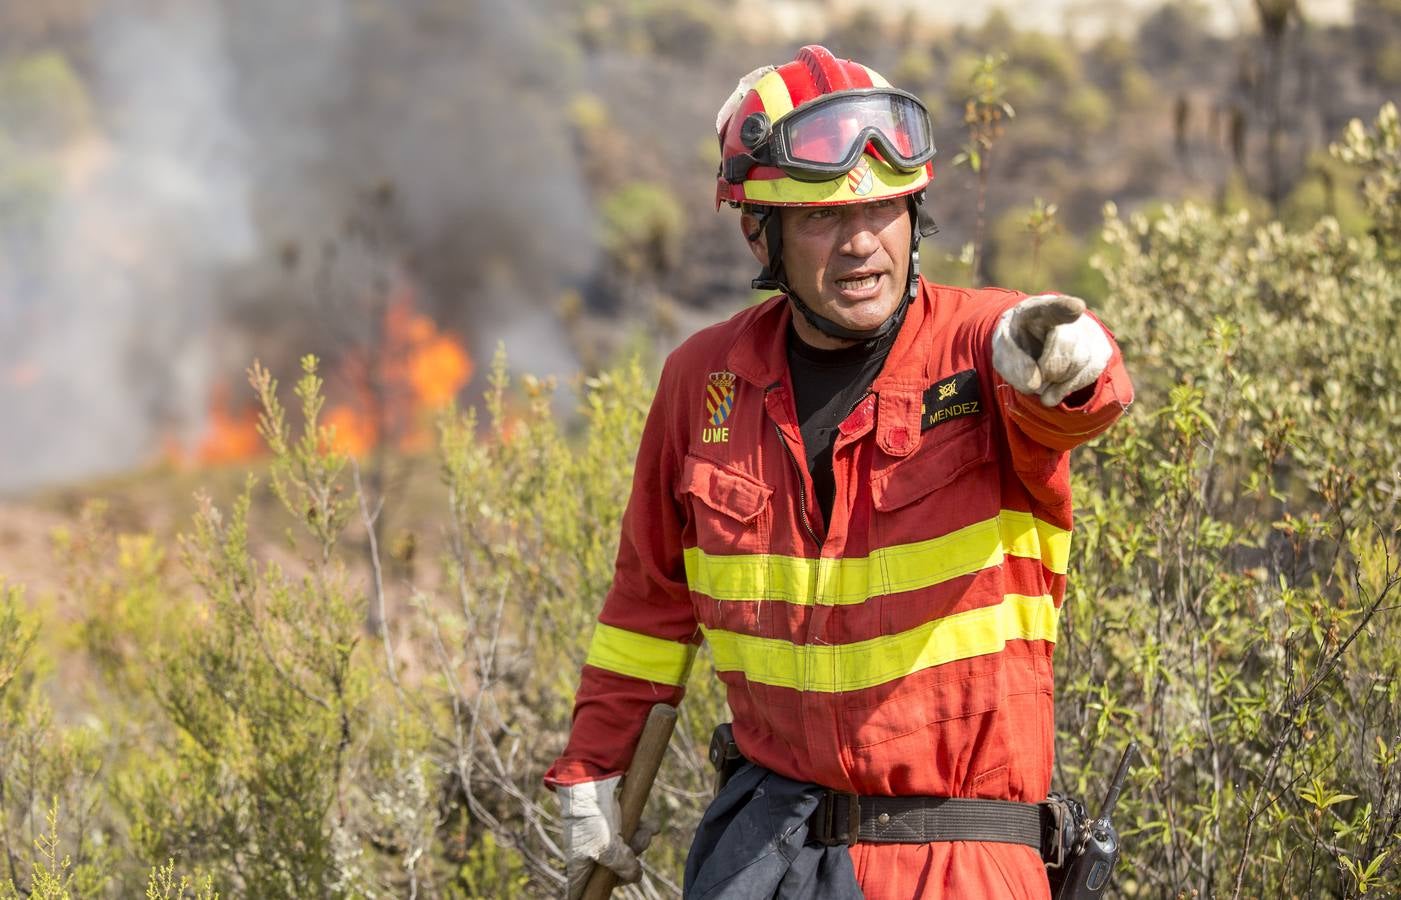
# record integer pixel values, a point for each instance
(1234, 602)
(643, 225)
(1378, 154)
(45, 767)
(43, 100)
(1087, 111)
(1328, 188)
(264, 700)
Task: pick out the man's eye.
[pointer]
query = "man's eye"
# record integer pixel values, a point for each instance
(822, 213)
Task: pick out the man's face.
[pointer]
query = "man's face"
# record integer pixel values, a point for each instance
(849, 264)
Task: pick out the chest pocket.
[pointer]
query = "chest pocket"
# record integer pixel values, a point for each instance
(945, 453)
(728, 506)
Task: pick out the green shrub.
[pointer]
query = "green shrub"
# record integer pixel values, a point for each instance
(643, 225)
(1328, 188)
(44, 768)
(1377, 152)
(263, 697)
(1087, 111)
(43, 100)
(1234, 604)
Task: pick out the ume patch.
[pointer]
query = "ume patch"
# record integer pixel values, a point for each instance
(957, 395)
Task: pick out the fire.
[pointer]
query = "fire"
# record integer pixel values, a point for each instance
(419, 370)
(390, 393)
(355, 434)
(231, 435)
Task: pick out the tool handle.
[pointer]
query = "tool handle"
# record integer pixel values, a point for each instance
(637, 784)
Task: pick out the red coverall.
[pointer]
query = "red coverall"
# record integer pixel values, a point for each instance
(904, 647)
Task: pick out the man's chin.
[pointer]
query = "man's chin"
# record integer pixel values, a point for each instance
(866, 315)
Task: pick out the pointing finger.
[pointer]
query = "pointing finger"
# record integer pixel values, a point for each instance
(1040, 314)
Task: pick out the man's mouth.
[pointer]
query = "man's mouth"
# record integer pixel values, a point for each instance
(859, 286)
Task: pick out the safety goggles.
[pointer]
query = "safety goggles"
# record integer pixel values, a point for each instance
(824, 138)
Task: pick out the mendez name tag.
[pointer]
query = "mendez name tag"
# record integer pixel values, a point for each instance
(957, 395)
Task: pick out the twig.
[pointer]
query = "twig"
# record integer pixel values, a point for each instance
(369, 519)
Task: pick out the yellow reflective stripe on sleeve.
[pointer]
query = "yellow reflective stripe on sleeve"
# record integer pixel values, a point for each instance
(640, 655)
(828, 668)
(904, 567)
(1025, 535)
(773, 93)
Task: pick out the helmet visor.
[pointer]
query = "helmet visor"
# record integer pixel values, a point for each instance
(826, 137)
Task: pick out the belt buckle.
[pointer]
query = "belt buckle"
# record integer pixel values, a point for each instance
(829, 836)
(853, 823)
(1055, 818)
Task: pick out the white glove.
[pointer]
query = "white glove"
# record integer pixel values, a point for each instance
(1045, 345)
(592, 833)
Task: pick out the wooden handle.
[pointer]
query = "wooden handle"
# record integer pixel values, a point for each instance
(637, 784)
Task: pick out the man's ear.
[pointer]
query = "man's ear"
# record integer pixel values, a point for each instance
(751, 226)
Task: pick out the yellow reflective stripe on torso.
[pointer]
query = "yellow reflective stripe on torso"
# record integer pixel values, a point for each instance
(904, 567)
(640, 655)
(1025, 535)
(828, 668)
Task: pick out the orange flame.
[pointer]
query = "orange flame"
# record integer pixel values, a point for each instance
(230, 435)
(418, 370)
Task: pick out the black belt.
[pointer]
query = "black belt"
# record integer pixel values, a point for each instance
(849, 819)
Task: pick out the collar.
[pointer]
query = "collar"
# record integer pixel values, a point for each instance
(760, 351)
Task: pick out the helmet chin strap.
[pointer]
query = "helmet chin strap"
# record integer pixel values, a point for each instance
(774, 278)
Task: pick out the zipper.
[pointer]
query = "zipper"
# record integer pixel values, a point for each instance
(802, 487)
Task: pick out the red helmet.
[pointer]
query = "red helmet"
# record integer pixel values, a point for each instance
(821, 131)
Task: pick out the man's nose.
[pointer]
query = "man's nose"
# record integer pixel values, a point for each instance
(861, 240)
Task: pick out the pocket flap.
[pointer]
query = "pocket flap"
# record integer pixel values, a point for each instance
(726, 490)
(939, 460)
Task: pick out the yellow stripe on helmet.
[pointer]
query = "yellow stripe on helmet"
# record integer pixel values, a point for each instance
(830, 668)
(875, 182)
(773, 93)
(640, 655)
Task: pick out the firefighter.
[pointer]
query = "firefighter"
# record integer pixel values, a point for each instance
(857, 493)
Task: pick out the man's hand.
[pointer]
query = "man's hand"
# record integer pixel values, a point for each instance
(1045, 345)
(592, 826)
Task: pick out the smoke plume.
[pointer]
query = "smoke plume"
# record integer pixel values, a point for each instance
(200, 218)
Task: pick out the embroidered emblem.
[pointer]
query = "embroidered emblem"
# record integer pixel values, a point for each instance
(958, 395)
(719, 403)
(860, 179)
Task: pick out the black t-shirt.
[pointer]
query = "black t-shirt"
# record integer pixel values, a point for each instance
(827, 385)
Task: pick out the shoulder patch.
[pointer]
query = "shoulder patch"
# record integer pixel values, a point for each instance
(957, 395)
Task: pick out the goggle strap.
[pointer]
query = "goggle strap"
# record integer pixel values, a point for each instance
(736, 169)
(924, 223)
